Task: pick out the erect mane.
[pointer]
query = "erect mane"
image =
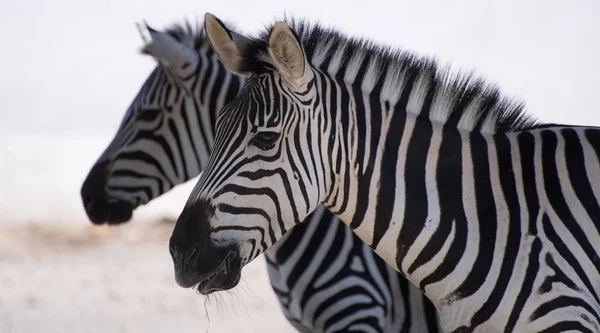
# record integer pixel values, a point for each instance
(487, 111)
(192, 34)
(185, 32)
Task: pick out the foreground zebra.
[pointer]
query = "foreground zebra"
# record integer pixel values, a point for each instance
(326, 278)
(494, 216)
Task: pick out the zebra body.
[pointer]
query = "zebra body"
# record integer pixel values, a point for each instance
(491, 214)
(373, 298)
(165, 139)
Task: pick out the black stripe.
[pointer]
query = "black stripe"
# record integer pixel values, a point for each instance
(559, 277)
(200, 126)
(415, 212)
(344, 110)
(183, 174)
(233, 210)
(386, 196)
(144, 157)
(527, 288)
(264, 173)
(362, 191)
(574, 158)
(331, 255)
(309, 138)
(147, 190)
(556, 197)
(511, 250)
(449, 183)
(294, 167)
(486, 208)
(285, 249)
(361, 121)
(244, 191)
(563, 301)
(566, 253)
(208, 70)
(404, 288)
(566, 326)
(202, 68)
(190, 138)
(431, 315)
(298, 140)
(526, 142)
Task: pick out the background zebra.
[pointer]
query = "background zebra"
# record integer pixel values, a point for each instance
(493, 215)
(326, 278)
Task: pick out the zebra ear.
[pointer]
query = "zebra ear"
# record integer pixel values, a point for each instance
(287, 53)
(226, 43)
(167, 50)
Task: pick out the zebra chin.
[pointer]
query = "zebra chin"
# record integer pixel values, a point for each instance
(219, 282)
(100, 212)
(223, 276)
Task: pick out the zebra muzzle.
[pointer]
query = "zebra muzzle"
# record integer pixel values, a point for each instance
(207, 271)
(98, 206)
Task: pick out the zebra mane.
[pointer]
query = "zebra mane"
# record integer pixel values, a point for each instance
(188, 33)
(471, 102)
(192, 34)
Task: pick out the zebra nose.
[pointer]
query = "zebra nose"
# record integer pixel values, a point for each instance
(93, 185)
(195, 256)
(98, 207)
(191, 229)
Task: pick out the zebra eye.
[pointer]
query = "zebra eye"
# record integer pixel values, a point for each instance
(265, 140)
(149, 114)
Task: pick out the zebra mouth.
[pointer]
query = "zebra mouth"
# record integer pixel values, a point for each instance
(102, 211)
(226, 277)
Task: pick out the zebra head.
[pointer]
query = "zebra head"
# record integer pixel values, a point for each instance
(266, 172)
(165, 137)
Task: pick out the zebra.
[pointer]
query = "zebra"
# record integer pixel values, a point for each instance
(325, 278)
(490, 212)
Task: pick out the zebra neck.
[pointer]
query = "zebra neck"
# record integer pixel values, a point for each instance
(408, 190)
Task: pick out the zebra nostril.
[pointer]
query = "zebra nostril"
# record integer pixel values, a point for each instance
(192, 253)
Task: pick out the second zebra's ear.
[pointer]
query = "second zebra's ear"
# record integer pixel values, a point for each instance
(167, 50)
(287, 54)
(227, 44)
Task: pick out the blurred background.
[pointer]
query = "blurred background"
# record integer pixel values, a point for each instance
(70, 69)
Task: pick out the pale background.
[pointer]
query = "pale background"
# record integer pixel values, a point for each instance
(68, 71)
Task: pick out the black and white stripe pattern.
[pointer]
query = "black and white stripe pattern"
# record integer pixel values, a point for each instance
(348, 288)
(165, 139)
(494, 216)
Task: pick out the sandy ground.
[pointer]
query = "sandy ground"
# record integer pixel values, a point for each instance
(82, 278)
